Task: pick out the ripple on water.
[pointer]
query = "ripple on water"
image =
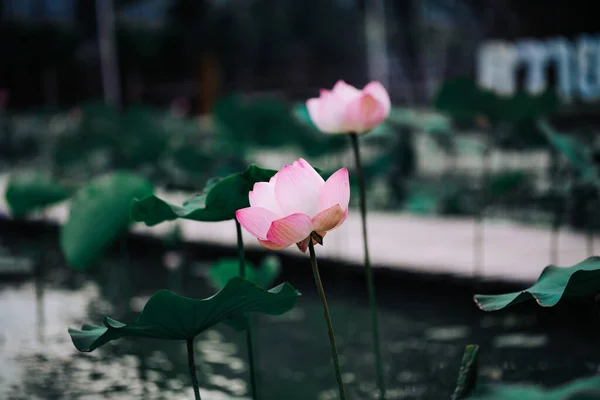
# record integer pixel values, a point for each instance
(520, 340)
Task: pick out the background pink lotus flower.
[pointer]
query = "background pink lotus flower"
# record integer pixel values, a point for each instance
(345, 109)
(293, 204)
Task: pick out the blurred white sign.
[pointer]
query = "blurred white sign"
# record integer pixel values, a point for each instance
(576, 64)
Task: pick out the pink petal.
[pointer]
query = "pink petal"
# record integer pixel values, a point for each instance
(345, 91)
(377, 90)
(314, 107)
(271, 245)
(328, 219)
(303, 245)
(302, 163)
(364, 114)
(335, 191)
(256, 220)
(263, 195)
(297, 190)
(291, 229)
(342, 220)
(327, 112)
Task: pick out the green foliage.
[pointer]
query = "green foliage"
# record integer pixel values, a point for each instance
(141, 139)
(445, 197)
(100, 124)
(425, 121)
(464, 100)
(99, 213)
(129, 139)
(266, 273)
(577, 153)
(31, 191)
(218, 202)
(173, 317)
(467, 375)
(507, 182)
(264, 122)
(581, 280)
(437, 125)
(270, 123)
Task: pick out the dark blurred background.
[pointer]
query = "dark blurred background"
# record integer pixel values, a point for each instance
(159, 50)
(486, 170)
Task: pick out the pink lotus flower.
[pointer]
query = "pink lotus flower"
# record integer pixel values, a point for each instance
(345, 109)
(295, 203)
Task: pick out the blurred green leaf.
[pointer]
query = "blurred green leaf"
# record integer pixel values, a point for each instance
(464, 100)
(271, 123)
(141, 139)
(32, 191)
(576, 152)
(507, 182)
(581, 280)
(169, 316)
(99, 212)
(430, 122)
(218, 202)
(222, 271)
(582, 389)
(100, 125)
(467, 376)
(422, 203)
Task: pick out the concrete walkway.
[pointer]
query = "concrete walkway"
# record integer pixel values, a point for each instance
(511, 252)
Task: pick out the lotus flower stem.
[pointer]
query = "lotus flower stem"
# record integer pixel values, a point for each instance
(368, 269)
(249, 341)
(334, 353)
(192, 365)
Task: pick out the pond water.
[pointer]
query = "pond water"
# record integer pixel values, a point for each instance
(425, 323)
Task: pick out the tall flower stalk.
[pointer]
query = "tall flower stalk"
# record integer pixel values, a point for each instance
(334, 352)
(368, 269)
(249, 341)
(298, 207)
(346, 109)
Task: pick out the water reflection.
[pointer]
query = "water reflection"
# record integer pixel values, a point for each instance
(424, 339)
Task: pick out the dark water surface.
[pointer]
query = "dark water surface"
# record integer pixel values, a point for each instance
(425, 324)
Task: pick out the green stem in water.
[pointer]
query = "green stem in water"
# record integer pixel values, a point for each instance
(368, 269)
(249, 341)
(192, 365)
(334, 353)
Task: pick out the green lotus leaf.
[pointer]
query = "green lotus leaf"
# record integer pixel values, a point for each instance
(169, 316)
(99, 212)
(467, 376)
(266, 273)
(581, 389)
(31, 191)
(218, 202)
(554, 283)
